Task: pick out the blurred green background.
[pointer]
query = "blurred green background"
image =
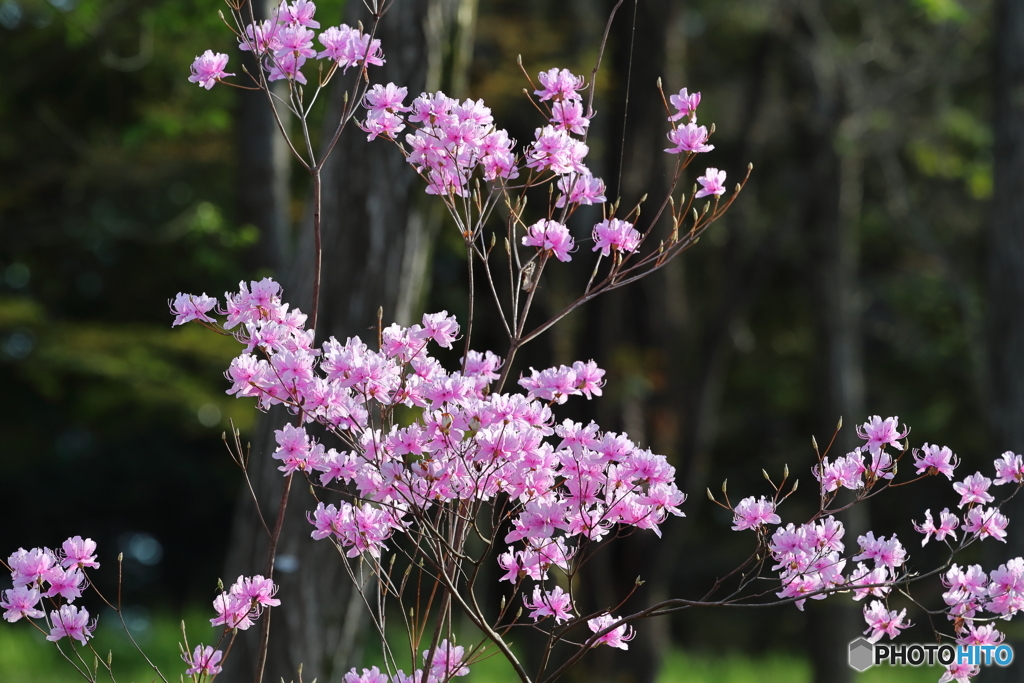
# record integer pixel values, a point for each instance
(866, 221)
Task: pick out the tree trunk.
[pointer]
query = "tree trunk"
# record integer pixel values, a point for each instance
(375, 255)
(1006, 269)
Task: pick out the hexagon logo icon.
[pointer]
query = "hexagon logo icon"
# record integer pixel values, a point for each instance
(862, 654)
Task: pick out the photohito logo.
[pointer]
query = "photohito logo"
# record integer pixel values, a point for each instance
(864, 655)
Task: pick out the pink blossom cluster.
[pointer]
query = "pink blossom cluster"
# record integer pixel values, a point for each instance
(42, 573)
(447, 662)
(466, 443)
(284, 42)
(689, 138)
(453, 139)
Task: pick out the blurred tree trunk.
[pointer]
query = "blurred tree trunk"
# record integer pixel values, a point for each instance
(832, 206)
(375, 254)
(1006, 269)
(264, 166)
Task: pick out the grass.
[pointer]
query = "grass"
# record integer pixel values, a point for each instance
(25, 657)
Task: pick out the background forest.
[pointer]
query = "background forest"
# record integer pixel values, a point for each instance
(873, 265)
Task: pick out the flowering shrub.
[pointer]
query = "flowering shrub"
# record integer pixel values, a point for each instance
(447, 470)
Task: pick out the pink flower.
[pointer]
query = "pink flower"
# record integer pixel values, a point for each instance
(617, 637)
(690, 138)
(559, 84)
(79, 553)
(847, 472)
(208, 68)
(383, 98)
(880, 433)
(21, 601)
(375, 675)
(286, 66)
(299, 12)
(28, 567)
(712, 183)
(568, 115)
(551, 237)
(960, 673)
(985, 634)
(1009, 469)
(440, 327)
(187, 307)
(885, 553)
(233, 611)
(615, 235)
(294, 40)
(986, 522)
(258, 590)
(260, 38)
(68, 584)
(555, 603)
(750, 514)
(347, 46)
(72, 622)
(947, 523)
(685, 104)
(447, 661)
(935, 460)
(203, 661)
(553, 149)
(974, 489)
(883, 622)
(580, 188)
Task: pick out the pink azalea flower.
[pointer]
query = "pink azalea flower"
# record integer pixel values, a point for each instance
(204, 661)
(348, 46)
(883, 622)
(847, 472)
(29, 567)
(296, 41)
(974, 489)
(188, 307)
(880, 433)
(685, 104)
(986, 522)
(948, 522)
(984, 634)
(299, 12)
(375, 675)
(617, 637)
(256, 589)
(690, 138)
(72, 622)
(21, 601)
(79, 553)
(555, 603)
(287, 66)
(751, 513)
(1009, 469)
(937, 458)
(580, 188)
(447, 661)
(68, 584)
(615, 235)
(559, 84)
(568, 115)
(208, 68)
(885, 553)
(552, 237)
(712, 183)
(960, 673)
